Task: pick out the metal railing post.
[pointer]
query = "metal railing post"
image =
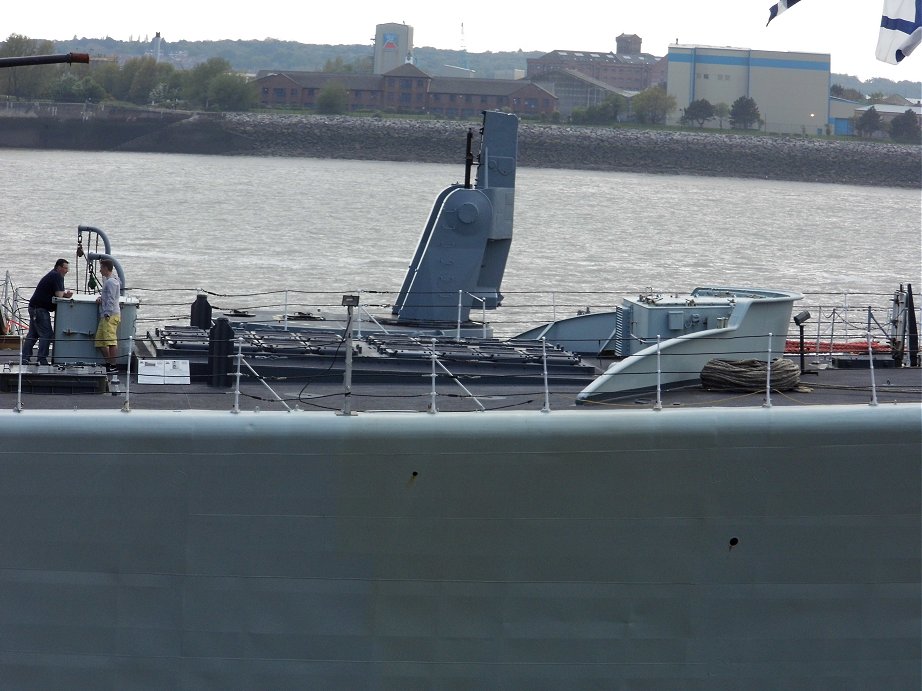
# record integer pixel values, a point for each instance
(819, 324)
(768, 376)
(285, 313)
(847, 317)
(347, 374)
(432, 406)
(18, 407)
(458, 336)
(547, 392)
(873, 401)
(358, 326)
(127, 407)
(237, 384)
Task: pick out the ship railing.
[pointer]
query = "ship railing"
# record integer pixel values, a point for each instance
(842, 326)
(759, 347)
(837, 326)
(10, 318)
(837, 318)
(771, 360)
(841, 316)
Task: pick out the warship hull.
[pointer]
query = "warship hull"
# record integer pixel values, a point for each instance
(719, 548)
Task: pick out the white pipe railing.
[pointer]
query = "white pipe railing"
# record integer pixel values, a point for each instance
(483, 306)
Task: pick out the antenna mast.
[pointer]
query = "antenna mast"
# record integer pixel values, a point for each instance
(464, 50)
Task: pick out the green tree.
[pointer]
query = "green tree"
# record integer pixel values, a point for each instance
(33, 81)
(605, 113)
(168, 92)
(66, 89)
(337, 65)
(840, 91)
(868, 122)
(905, 128)
(721, 112)
(231, 92)
(744, 113)
(653, 105)
(360, 65)
(91, 90)
(699, 111)
(107, 75)
(333, 99)
(143, 80)
(199, 78)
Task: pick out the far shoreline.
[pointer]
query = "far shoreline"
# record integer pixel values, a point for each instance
(711, 153)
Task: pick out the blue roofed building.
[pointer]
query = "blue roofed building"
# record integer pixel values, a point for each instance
(791, 89)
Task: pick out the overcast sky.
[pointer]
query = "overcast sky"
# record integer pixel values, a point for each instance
(846, 29)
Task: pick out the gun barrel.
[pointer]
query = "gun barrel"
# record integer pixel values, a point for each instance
(44, 59)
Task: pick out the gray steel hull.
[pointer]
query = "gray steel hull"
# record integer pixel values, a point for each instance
(508, 550)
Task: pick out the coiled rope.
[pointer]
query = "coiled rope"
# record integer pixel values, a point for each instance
(749, 375)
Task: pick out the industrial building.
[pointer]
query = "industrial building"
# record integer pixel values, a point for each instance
(393, 47)
(583, 79)
(791, 90)
(627, 69)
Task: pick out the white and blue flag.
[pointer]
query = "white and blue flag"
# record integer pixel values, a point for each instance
(900, 30)
(900, 27)
(778, 8)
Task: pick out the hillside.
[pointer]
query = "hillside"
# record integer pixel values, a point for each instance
(271, 54)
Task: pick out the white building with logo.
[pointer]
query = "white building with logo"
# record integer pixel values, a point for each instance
(393, 46)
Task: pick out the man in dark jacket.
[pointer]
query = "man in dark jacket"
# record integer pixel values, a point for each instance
(41, 305)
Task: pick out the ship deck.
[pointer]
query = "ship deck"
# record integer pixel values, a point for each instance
(69, 388)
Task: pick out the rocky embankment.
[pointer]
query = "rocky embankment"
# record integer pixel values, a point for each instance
(592, 148)
(442, 141)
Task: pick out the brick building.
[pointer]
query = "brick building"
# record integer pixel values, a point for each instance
(406, 89)
(628, 69)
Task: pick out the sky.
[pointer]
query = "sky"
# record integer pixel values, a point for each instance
(846, 29)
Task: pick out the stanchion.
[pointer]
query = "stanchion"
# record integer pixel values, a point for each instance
(873, 401)
(768, 376)
(547, 392)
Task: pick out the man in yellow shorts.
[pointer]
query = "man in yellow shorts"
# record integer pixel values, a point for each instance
(110, 315)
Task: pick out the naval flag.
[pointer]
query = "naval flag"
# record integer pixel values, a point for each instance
(778, 8)
(900, 27)
(900, 30)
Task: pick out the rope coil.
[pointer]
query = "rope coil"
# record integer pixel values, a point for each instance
(749, 375)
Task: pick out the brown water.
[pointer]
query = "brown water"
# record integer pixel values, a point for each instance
(249, 225)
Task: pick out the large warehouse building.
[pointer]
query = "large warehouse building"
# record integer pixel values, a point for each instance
(790, 89)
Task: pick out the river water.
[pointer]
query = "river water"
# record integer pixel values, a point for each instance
(241, 225)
